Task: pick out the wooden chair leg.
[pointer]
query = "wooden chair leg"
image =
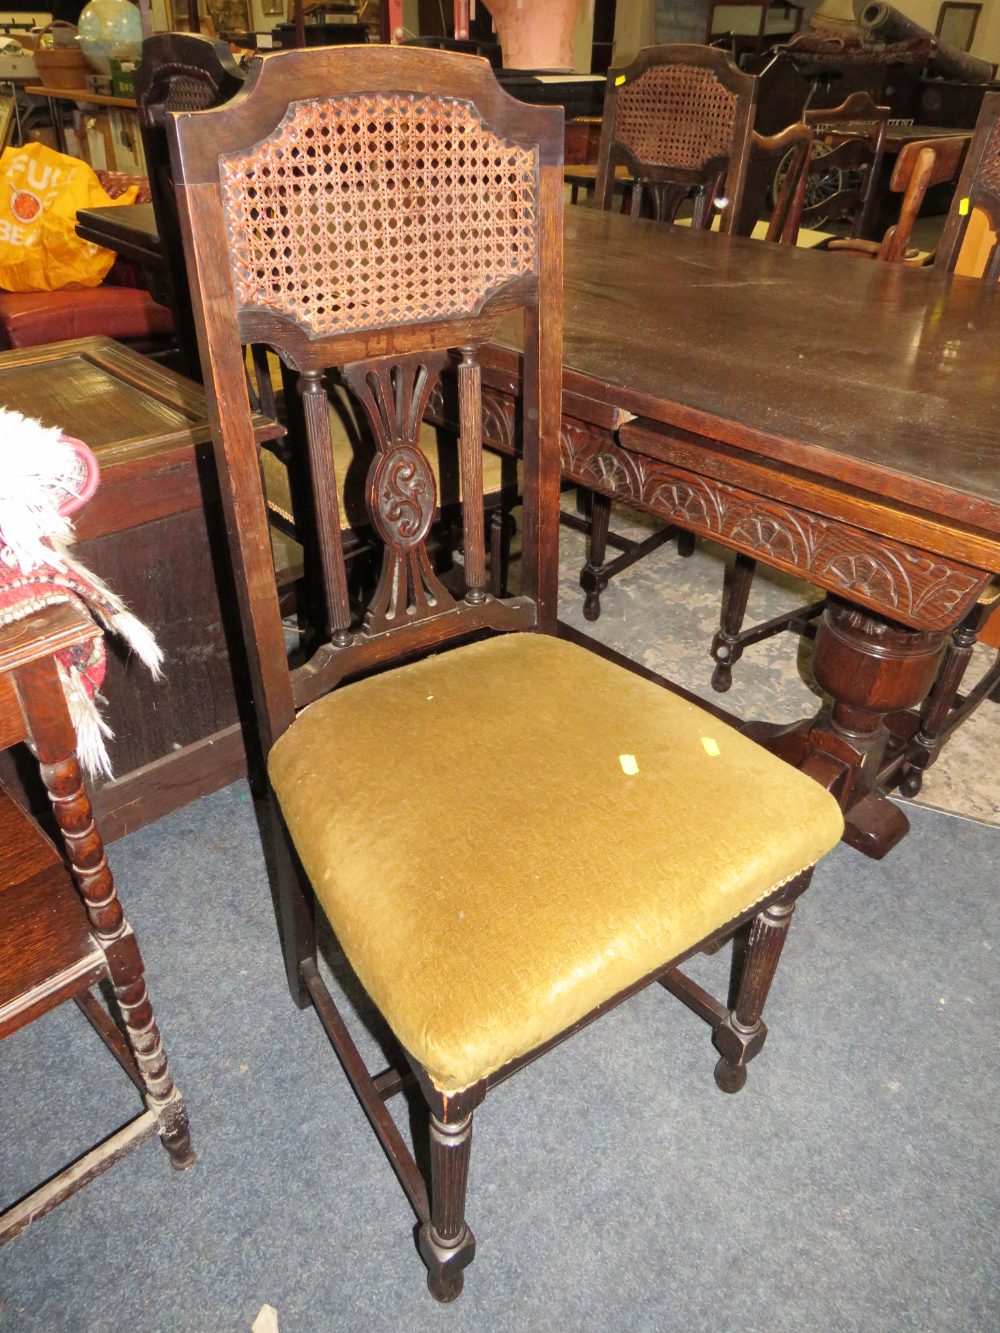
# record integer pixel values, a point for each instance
(929, 737)
(447, 1245)
(296, 911)
(726, 647)
(592, 578)
(90, 869)
(501, 533)
(739, 1038)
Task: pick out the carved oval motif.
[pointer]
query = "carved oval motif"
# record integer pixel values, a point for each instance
(403, 496)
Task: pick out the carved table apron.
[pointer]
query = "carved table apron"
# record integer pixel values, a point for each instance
(902, 543)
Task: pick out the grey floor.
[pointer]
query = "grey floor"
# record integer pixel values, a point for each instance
(852, 1185)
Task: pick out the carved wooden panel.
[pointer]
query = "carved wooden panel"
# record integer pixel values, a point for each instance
(369, 211)
(886, 575)
(400, 493)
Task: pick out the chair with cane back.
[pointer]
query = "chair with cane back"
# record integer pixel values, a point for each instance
(382, 211)
(679, 119)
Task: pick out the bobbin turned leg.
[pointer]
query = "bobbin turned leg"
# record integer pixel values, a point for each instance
(55, 742)
(739, 1038)
(92, 874)
(726, 647)
(926, 743)
(447, 1245)
(592, 578)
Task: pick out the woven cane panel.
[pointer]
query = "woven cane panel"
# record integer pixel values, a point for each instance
(187, 92)
(675, 116)
(364, 212)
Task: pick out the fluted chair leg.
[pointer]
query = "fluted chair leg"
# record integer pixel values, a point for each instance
(447, 1245)
(740, 1037)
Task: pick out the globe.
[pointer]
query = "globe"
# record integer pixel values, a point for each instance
(110, 30)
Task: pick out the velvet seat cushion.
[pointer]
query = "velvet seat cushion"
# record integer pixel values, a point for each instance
(491, 870)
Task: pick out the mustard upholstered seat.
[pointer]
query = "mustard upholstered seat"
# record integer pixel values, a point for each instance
(482, 926)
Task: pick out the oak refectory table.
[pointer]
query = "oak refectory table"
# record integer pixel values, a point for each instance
(833, 419)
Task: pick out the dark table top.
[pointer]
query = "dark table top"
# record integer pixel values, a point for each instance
(884, 378)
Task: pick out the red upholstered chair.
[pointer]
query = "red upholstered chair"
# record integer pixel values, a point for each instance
(120, 308)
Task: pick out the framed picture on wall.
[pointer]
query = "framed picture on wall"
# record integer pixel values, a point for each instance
(229, 15)
(956, 24)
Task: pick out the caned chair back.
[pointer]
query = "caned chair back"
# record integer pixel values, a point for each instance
(372, 210)
(978, 187)
(679, 118)
(851, 165)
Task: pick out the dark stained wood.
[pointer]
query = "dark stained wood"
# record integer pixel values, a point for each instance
(659, 112)
(178, 72)
(62, 928)
(758, 444)
(768, 379)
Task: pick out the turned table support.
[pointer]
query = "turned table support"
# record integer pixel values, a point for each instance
(870, 667)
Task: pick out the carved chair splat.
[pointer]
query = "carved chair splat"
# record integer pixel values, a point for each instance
(62, 927)
(457, 191)
(858, 128)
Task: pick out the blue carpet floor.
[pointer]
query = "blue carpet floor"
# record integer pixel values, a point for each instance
(852, 1185)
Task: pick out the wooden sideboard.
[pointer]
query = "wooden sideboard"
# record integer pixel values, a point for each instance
(153, 532)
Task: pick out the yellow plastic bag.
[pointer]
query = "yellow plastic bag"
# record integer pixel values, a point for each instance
(40, 192)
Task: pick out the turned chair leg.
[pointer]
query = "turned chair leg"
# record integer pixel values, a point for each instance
(926, 743)
(89, 866)
(739, 1038)
(726, 648)
(502, 527)
(447, 1245)
(592, 579)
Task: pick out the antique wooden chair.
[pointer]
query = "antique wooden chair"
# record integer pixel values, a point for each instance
(680, 120)
(920, 165)
(375, 210)
(792, 147)
(847, 161)
(179, 71)
(978, 188)
(946, 708)
(62, 929)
